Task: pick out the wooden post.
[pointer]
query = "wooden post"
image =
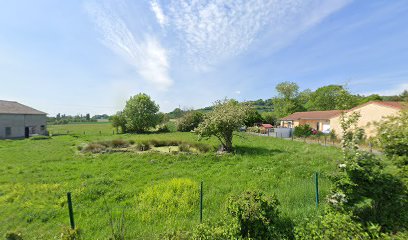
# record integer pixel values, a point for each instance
(71, 211)
(201, 202)
(317, 188)
(325, 139)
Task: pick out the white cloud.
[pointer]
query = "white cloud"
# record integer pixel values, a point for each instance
(161, 18)
(237, 92)
(212, 31)
(147, 55)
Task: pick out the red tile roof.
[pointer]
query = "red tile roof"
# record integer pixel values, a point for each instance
(316, 115)
(396, 105)
(325, 115)
(266, 125)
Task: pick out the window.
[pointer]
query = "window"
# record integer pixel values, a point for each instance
(42, 127)
(8, 131)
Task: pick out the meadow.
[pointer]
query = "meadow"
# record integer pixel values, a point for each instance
(35, 176)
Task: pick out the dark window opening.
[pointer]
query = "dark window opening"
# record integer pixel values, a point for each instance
(8, 131)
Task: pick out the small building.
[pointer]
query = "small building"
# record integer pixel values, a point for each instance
(326, 121)
(20, 121)
(319, 120)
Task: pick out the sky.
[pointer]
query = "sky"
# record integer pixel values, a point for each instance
(90, 56)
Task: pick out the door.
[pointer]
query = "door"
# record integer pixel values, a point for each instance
(27, 132)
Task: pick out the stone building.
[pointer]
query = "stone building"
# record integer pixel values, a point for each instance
(20, 121)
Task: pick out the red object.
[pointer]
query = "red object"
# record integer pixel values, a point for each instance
(267, 125)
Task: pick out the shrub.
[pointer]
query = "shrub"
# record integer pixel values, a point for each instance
(332, 225)
(220, 231)
(190, 121)
(143, 146)
(163, 129)
(119, 143)
(253, 129)
(302, 131)
(171, 199)
(131, 142)
(71, 234)
(258, 216)
(184, 147)
(14, 236)
(94, 148)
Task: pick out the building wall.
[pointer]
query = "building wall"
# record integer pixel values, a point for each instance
(370, 114)
(17, 123)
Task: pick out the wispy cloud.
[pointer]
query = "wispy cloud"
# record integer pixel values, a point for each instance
(158, 12)
(395, 90)
(212, 31)
(145, 53)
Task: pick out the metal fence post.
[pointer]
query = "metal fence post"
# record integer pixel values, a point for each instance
(317, 188)
(201, 202)
(71, 211)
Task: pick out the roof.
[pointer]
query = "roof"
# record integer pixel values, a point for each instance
(9, 107)
(316, 115)
(266, 125)
(319, 115)
(391, 104)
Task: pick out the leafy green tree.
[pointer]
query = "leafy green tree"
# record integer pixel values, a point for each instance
(190, 121)
(252, 117)
(227, 116)
(287, 100)
(119, 121)
(269, 117)
(393, 138)
(141, 113)
(331, 97)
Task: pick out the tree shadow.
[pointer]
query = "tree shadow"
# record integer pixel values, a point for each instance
(245, 150)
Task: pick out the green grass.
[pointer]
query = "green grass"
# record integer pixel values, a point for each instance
(35, 176)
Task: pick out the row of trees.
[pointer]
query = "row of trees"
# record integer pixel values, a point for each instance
(65, 119)
(331, 97)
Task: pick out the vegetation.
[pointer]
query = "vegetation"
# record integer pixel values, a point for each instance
(190, 121)
(393, 139)
(141, 113)
(227, 116)
(302, 131)
(35, 182)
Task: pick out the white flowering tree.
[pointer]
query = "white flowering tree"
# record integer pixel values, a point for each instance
(227, 116)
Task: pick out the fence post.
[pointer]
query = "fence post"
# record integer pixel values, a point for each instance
(71, 211)
(371, 147)
(201, 202)
(325, 139)
(100, 132)
(317, 188)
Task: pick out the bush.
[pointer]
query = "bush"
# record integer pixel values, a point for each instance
(94, 148)
(333, 225)
(184, 147)
(163, 129)
(142, 146)
(71, 234)
(302, 131)
(258, 216)
(219, 231)
(119, 143)
(190, 121)
(14, 236)
(175, 198)
(253, 129)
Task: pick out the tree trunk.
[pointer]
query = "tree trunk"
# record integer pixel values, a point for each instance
(228, 142)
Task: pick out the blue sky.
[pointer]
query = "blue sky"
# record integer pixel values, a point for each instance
(78, 57)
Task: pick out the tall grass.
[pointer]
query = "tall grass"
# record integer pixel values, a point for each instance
(35, 176)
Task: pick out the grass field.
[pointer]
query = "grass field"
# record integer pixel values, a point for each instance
(36, 174)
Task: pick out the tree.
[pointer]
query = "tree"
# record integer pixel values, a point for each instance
(88, 117)
(227, 116)
(269, 117)
(190, 121)
(331, 97)
(287, 100)
(393, 138)
(119, 121)
(252, 117)
(141, 113)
